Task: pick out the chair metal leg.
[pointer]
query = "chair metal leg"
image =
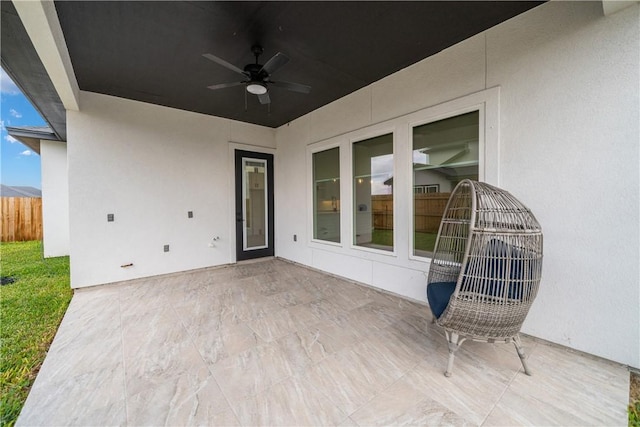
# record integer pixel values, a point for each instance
(455, 341)
(523, 357)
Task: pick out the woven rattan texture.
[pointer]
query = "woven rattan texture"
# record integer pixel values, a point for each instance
(490, 244)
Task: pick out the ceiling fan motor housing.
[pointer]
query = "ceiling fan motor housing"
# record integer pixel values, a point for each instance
(258, 75)
(256, 72)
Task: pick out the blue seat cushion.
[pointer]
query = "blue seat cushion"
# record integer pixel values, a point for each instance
(497, 253)
(438, 295)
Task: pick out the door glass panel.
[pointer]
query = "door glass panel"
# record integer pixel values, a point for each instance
(254, 209)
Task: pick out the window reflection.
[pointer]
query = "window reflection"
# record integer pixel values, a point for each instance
(326, 195)
(373, 192)
(444, 153)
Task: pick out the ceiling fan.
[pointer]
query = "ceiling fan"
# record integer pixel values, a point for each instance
(257, 77)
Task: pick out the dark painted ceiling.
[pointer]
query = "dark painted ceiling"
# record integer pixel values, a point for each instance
(152, 51)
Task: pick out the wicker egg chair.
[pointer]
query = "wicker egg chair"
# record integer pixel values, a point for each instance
(486, 267)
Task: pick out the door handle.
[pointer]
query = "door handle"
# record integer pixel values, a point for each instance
(239, 218)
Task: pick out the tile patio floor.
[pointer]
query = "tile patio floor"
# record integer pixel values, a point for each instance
(273, 343)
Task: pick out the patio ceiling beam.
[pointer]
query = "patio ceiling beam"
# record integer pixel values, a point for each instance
(41, 23)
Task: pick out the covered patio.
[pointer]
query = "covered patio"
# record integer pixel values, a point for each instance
(275, 343)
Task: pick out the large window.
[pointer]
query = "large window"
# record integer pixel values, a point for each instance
(373, 192)
(326, 195)
(444, 153)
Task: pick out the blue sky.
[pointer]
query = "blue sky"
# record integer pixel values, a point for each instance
(20, 165)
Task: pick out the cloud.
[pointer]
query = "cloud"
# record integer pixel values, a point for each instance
(26, 153)
(10, 139)
(7, 86)
(15, 113)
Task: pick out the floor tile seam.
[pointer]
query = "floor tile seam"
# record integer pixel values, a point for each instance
(504, 392)
(313, 363)
(544, 404)
(355, 341)
(302, 376)
(245, 397)
(372, 339)
(441, 404)
(222, 392)
(376, 391)
(383, 390)
(421, 331)
(43, 382)
(124, 364)
(327, 398)
(192, 341)
(586, 419)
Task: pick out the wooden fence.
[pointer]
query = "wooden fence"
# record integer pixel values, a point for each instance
(21, 219)
(428, 211)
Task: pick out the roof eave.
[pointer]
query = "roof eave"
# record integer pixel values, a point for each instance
(31, 137)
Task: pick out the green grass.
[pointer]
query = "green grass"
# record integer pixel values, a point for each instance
(423, 241)
(31, 309)
(634, 414)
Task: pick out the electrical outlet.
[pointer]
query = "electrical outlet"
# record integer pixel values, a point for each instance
(166, 248)
(190, 214)
(110, 218)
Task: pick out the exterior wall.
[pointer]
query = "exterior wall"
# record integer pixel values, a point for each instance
(149, 165)
(568, 148)
(55, 198)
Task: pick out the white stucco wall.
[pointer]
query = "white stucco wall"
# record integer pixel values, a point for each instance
(559, 87)
(149, 165)
(55, 198)
(567, 79)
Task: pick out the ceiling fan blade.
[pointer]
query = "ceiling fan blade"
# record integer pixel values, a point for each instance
(277, 61)
(264, 98)
(225, 85)
(225, 64)
(295, 87)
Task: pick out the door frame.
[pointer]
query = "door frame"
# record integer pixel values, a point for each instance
(241, 254)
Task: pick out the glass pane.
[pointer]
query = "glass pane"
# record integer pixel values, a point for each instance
(254, 184)
(373, 192)
(326, 195)
(444, 153)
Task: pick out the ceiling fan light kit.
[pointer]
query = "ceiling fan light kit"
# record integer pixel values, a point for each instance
(258, 76)
(256, 88)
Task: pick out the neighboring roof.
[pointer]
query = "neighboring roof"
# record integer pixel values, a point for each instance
(19, 191)
(22, 63)
(31, 135)
(152, 51)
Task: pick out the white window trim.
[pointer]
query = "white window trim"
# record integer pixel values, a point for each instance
(487, 102)
(311, 150)
(373, 133)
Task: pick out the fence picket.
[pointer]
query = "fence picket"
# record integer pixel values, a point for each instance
(21, 219)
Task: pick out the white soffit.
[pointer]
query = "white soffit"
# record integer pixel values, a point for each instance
(609, 7)
(40, 20)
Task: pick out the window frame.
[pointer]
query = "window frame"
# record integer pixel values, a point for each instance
(378, 132)
(320, 147)
(312, 198)
(486, 101)
(431, 118)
